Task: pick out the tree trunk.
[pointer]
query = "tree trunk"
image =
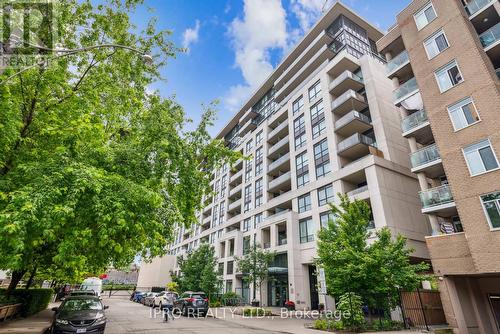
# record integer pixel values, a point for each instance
(30, 280)
(16, 277)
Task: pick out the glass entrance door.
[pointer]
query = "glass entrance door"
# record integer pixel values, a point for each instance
(277, 290)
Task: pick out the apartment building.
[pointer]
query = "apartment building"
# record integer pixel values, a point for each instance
(324, 122)
(444, 59)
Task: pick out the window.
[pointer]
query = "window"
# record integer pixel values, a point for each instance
(223, 186)
(325, 195)
(246, 224)
(463, 114)
(304, 203)
(326, 217)
(299, 126)
(215, 216)
(322, 158)
(491, 204)
(302, 165)
(448, 76)
(216, 189)
(315, 91)
(317, 120)
(247, 205)
(248, 170)
(246, 244)
(259, 162)
(436, 44)
(258, 219)
(221, 268)
(229, 269)
(258, 138)
(424, 16)
(222, 212)
(258, 193)
(306, 230)
(297, 105)
(480, 157)
(249, 146)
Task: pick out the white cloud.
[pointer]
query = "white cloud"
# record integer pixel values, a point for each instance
(262, 29)
(308, 11)
(190, 35)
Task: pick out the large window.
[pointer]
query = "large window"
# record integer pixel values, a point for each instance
(249, 146)
(424, 16)
(315, 91)
(304, 202)
(325, 195)
(317, 120)
(491, 204)
(302, 165)
(222, 212)
(248, 170)
(480, 157)
(463, 114)
(306, 230)
(258, 219)
(322, 158)
(258, 193)
(229, 271)
(297, 105)
(247, 224)
(448, 76)
(259, 162)
(223, 186)
(246, 244)
(436, 44)
(258, 138)
(325, 218)
(247, 206)
(299, 126)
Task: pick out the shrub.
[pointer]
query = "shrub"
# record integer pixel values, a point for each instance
(230, 299)
(33, 300)
(387, 325)
(350, 306)
(215, 304)
(321, 324)
(328, 324)
(256, 312)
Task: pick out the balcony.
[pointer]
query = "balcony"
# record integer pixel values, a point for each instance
(490, 38)
(428, 161)
(279, 163)
(356, 146)
(276, 215)
(281, 147)
(357, 191)
(235, 191)
(283, 181)
(234, 207)
(347, 80)
(417, 125)
(281, 130)
(236, 178)
(438, 200)
(399, 66)
(206, 221)
(352, 122)
(474, 7)
(250, 114)
(248, 126)
(404, 91)
(238, 165)
(348, 101)
(207, 210)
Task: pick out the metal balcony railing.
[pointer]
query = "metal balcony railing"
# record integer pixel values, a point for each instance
(475, 6)
(397, 61)
(349, 117)
(414, 120)
(405, 89)
(424, 156)
(490, 36)
(436, 196)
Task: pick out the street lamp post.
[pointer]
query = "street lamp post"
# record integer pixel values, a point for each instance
(147, 58)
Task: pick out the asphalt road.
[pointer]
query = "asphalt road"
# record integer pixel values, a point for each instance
(125, 316)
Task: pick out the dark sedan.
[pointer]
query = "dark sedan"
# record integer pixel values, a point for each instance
(192, 303)
(79, 314)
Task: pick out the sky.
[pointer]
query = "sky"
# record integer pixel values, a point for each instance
(233, 45)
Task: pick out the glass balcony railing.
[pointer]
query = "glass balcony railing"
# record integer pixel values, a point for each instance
(475, 6)
(436, 196)
(346, 119)
(355, 139)
(414, 120)
(490, 36)
(424, 156)
(405, 89)
(397, 61)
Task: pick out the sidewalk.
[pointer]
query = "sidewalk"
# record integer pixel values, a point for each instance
(36, 324)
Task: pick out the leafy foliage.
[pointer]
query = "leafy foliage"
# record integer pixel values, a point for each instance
(350, 306)
(33, 300)
(376, 271)
(254, 265)
(172, 286)
(94, 168)
(198, 271)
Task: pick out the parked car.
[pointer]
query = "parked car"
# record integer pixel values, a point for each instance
(142, 299)
(192, 303)
(79, 314)
(160, 298)
(149, 299)
(137, 296)
(75, 293)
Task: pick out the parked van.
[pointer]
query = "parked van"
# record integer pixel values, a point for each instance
(92, 283)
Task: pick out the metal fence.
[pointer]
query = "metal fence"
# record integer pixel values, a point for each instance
(422, 309)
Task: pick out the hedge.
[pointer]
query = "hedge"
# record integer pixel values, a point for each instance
(33, 300)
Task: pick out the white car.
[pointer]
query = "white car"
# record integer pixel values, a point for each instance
(161, 297)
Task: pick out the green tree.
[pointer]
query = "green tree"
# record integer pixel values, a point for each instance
(198, 271)
(173, 286)
(350, 307)
(94, 168)
(373, 271)
(255, 266)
